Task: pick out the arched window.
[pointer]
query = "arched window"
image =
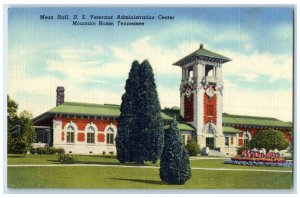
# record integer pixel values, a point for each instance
(246, 140)
(110, 136)
(91, 135)
(70, 134)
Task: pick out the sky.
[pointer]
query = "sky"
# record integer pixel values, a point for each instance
(92, 62)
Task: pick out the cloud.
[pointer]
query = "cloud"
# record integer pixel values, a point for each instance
(269, 103)
(89, 64)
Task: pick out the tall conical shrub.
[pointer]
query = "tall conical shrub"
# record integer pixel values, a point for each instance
(150, 122)
(126, 144)
(174, 165)
(140, 135)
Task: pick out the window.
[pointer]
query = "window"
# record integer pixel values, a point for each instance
(70, 134)
(209, 70)
(91, 135)
(110, 136)
(231, 140)
(191, 73)
(227, 141)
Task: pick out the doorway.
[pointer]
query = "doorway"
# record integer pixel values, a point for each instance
(210, 142)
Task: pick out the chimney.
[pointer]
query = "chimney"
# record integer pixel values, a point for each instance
(201, 46)
(60, 95)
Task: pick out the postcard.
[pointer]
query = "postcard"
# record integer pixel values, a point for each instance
(150, 97)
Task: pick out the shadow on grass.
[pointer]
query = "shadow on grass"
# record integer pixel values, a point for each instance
(101, 163)
(103, 156)
(141, 181)
(16, 156)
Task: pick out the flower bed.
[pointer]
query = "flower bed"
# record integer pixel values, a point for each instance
(256, 159)
(259, 163)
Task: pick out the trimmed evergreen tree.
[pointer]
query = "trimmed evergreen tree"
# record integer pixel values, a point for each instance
(174, 165)
(140, 135)
(127, 144)
(149, 122)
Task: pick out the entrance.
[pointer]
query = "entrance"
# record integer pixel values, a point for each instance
(210, 142)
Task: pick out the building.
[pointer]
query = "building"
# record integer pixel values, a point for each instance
(91, 128)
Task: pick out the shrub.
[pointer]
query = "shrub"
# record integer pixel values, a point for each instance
(67, 158)
(41, 150)
(192, 147)
(60, 151)
(51, 150)
(47, 150)
(18, 146)
(175, 164)
(269, 139)
(240, 150)
(33, 150)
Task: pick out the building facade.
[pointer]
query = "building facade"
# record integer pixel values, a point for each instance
(83, 128)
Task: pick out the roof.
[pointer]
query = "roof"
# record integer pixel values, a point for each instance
(228, 129)
(110, 110)
(173, 112)
(254, 120)
(201, 52)
(182, 126)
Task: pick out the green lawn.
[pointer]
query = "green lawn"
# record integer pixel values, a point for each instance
(52, 159)
(137, 178)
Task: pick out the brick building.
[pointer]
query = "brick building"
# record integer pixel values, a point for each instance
(91, 128)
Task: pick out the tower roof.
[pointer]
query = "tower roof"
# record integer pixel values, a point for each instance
(202, 54)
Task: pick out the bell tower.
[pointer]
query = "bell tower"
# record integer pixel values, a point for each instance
(201, 95)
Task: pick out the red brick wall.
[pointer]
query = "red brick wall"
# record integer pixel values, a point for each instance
(81, 124)
(189, 108)
(253, 131)
(80, 137)
(210, 104)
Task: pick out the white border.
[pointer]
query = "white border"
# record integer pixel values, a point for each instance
(157, 2)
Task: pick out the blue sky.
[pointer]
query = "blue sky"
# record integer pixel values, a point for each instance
(92, 62)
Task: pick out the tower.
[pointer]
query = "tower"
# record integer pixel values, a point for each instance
(201, 95)
(60, 95)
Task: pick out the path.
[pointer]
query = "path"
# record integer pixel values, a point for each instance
(123, 166)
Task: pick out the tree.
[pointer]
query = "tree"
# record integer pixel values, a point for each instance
(140, 128)
(149, 122)
(128, 148)
(174, 165)
(12, 108)
(19, 142)
(12, 119)
(27, 129)
(192, 147)
(269, 139)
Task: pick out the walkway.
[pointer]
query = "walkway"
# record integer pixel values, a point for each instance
(123, 166)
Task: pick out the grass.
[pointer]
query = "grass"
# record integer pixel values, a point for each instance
(52, 159)
(136, 178)
(112, 160)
